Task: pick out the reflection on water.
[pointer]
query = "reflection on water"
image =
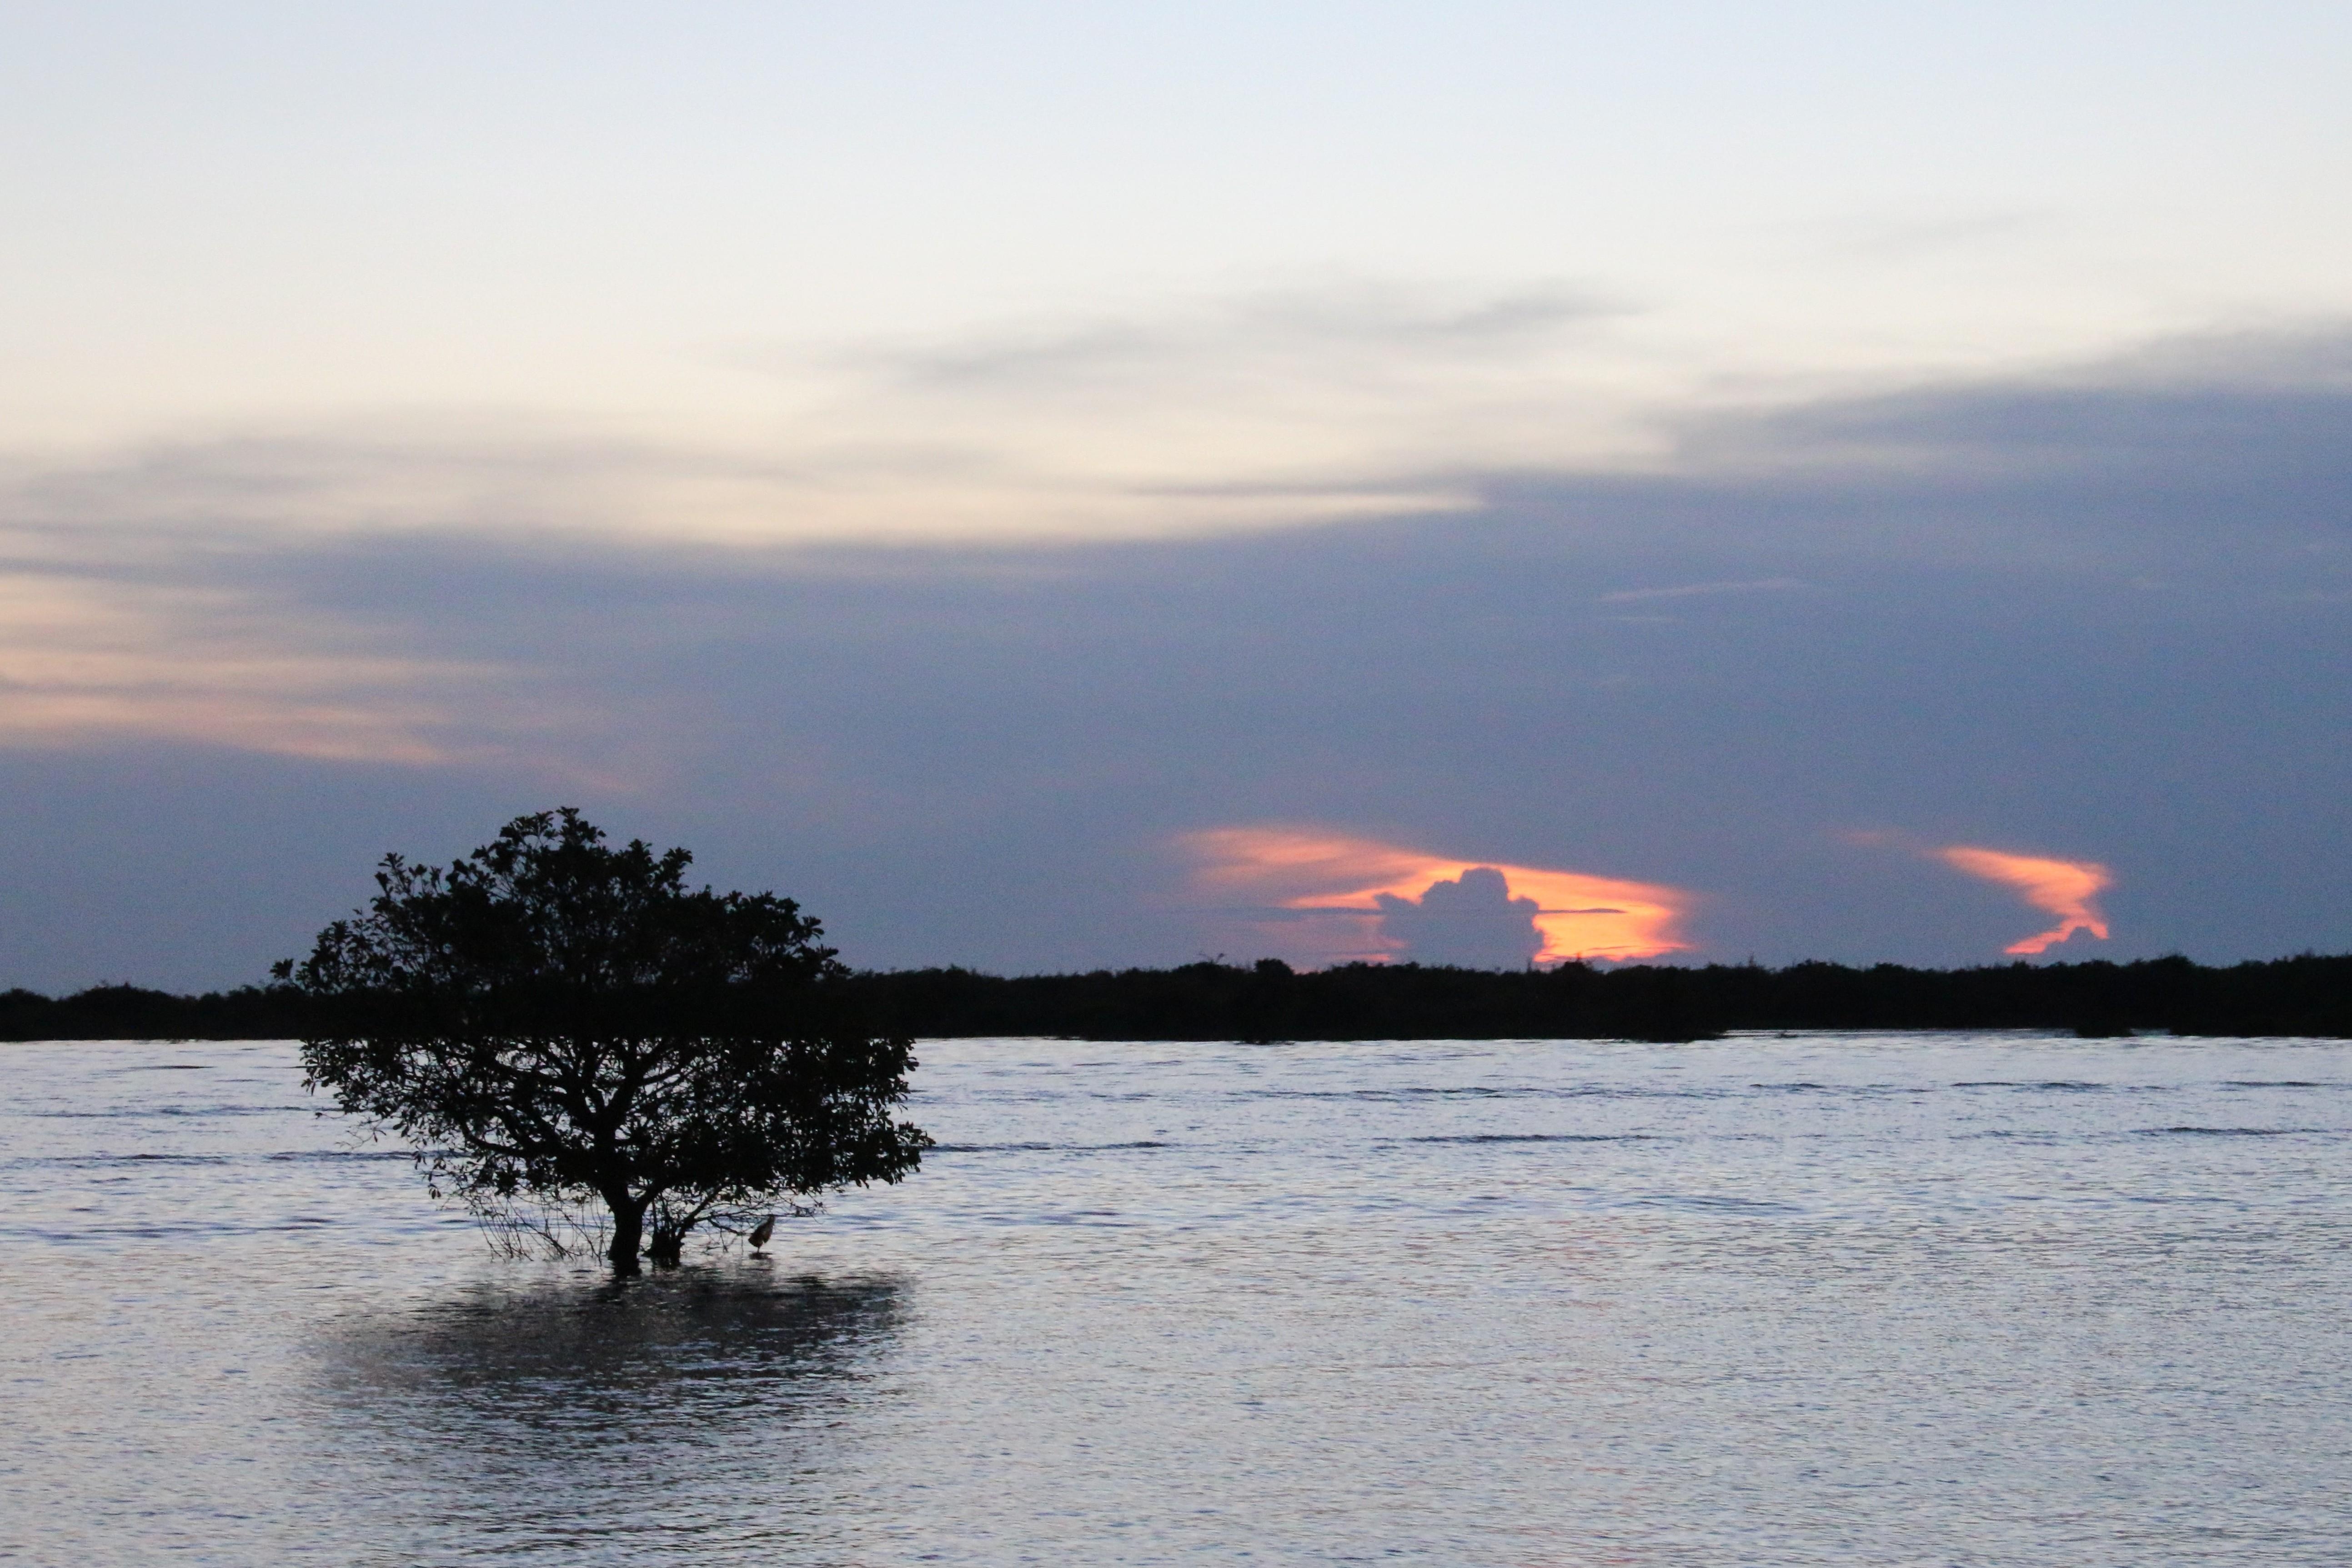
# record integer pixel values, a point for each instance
(1832, 1299)
(699, 1345)
(519, 1419)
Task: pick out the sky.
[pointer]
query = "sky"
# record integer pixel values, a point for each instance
(1050, 486)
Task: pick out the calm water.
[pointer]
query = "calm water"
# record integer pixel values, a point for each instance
(1923, 1299)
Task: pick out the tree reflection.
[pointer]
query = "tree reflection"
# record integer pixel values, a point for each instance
(507, 1421)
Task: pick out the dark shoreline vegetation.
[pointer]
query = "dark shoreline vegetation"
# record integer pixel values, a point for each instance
(2308, 995)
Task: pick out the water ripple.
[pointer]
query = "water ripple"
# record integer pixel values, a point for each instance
(1767, 1301)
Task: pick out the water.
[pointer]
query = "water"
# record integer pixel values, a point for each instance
(1854, 1300)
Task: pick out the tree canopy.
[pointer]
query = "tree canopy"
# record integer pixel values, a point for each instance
(555, 1024)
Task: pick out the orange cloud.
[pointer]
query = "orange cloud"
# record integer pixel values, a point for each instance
(1578, 916)
(2066, 889)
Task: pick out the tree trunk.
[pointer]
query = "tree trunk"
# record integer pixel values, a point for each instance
(629, 1232)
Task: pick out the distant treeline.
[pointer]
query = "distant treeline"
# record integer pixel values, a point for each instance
(2307, 995)
(1269, 1001)
(134, 1013)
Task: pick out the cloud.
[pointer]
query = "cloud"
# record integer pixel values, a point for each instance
(2131, 458)
(1335, 323)
(1369, 883)
(2066, 889)
(2194, 411)
(978, 751)
(1699, 590)
(213, 638)
(1337, 397)
(1891, 237)
(1471, 921)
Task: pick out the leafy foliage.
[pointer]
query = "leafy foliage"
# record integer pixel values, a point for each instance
(559, 1023)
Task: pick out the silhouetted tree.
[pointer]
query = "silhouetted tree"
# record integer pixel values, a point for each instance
(555, 1023)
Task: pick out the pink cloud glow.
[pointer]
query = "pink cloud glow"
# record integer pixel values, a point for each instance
(2066, 889)
(1578, 916)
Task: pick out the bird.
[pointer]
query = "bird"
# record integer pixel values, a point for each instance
(760, 1236)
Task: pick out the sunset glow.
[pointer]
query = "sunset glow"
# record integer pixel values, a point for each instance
(2066, 889)
(1578, 916)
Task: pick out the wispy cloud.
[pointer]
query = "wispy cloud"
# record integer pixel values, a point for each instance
(1576, 915)
(92, 658)
(2066, 889)
(1891, 237)
(1701, 590)
(2190, 408)
(1335, 397)
(1336, 323)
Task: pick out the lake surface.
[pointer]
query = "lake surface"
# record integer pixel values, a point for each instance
(1851, 1300)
